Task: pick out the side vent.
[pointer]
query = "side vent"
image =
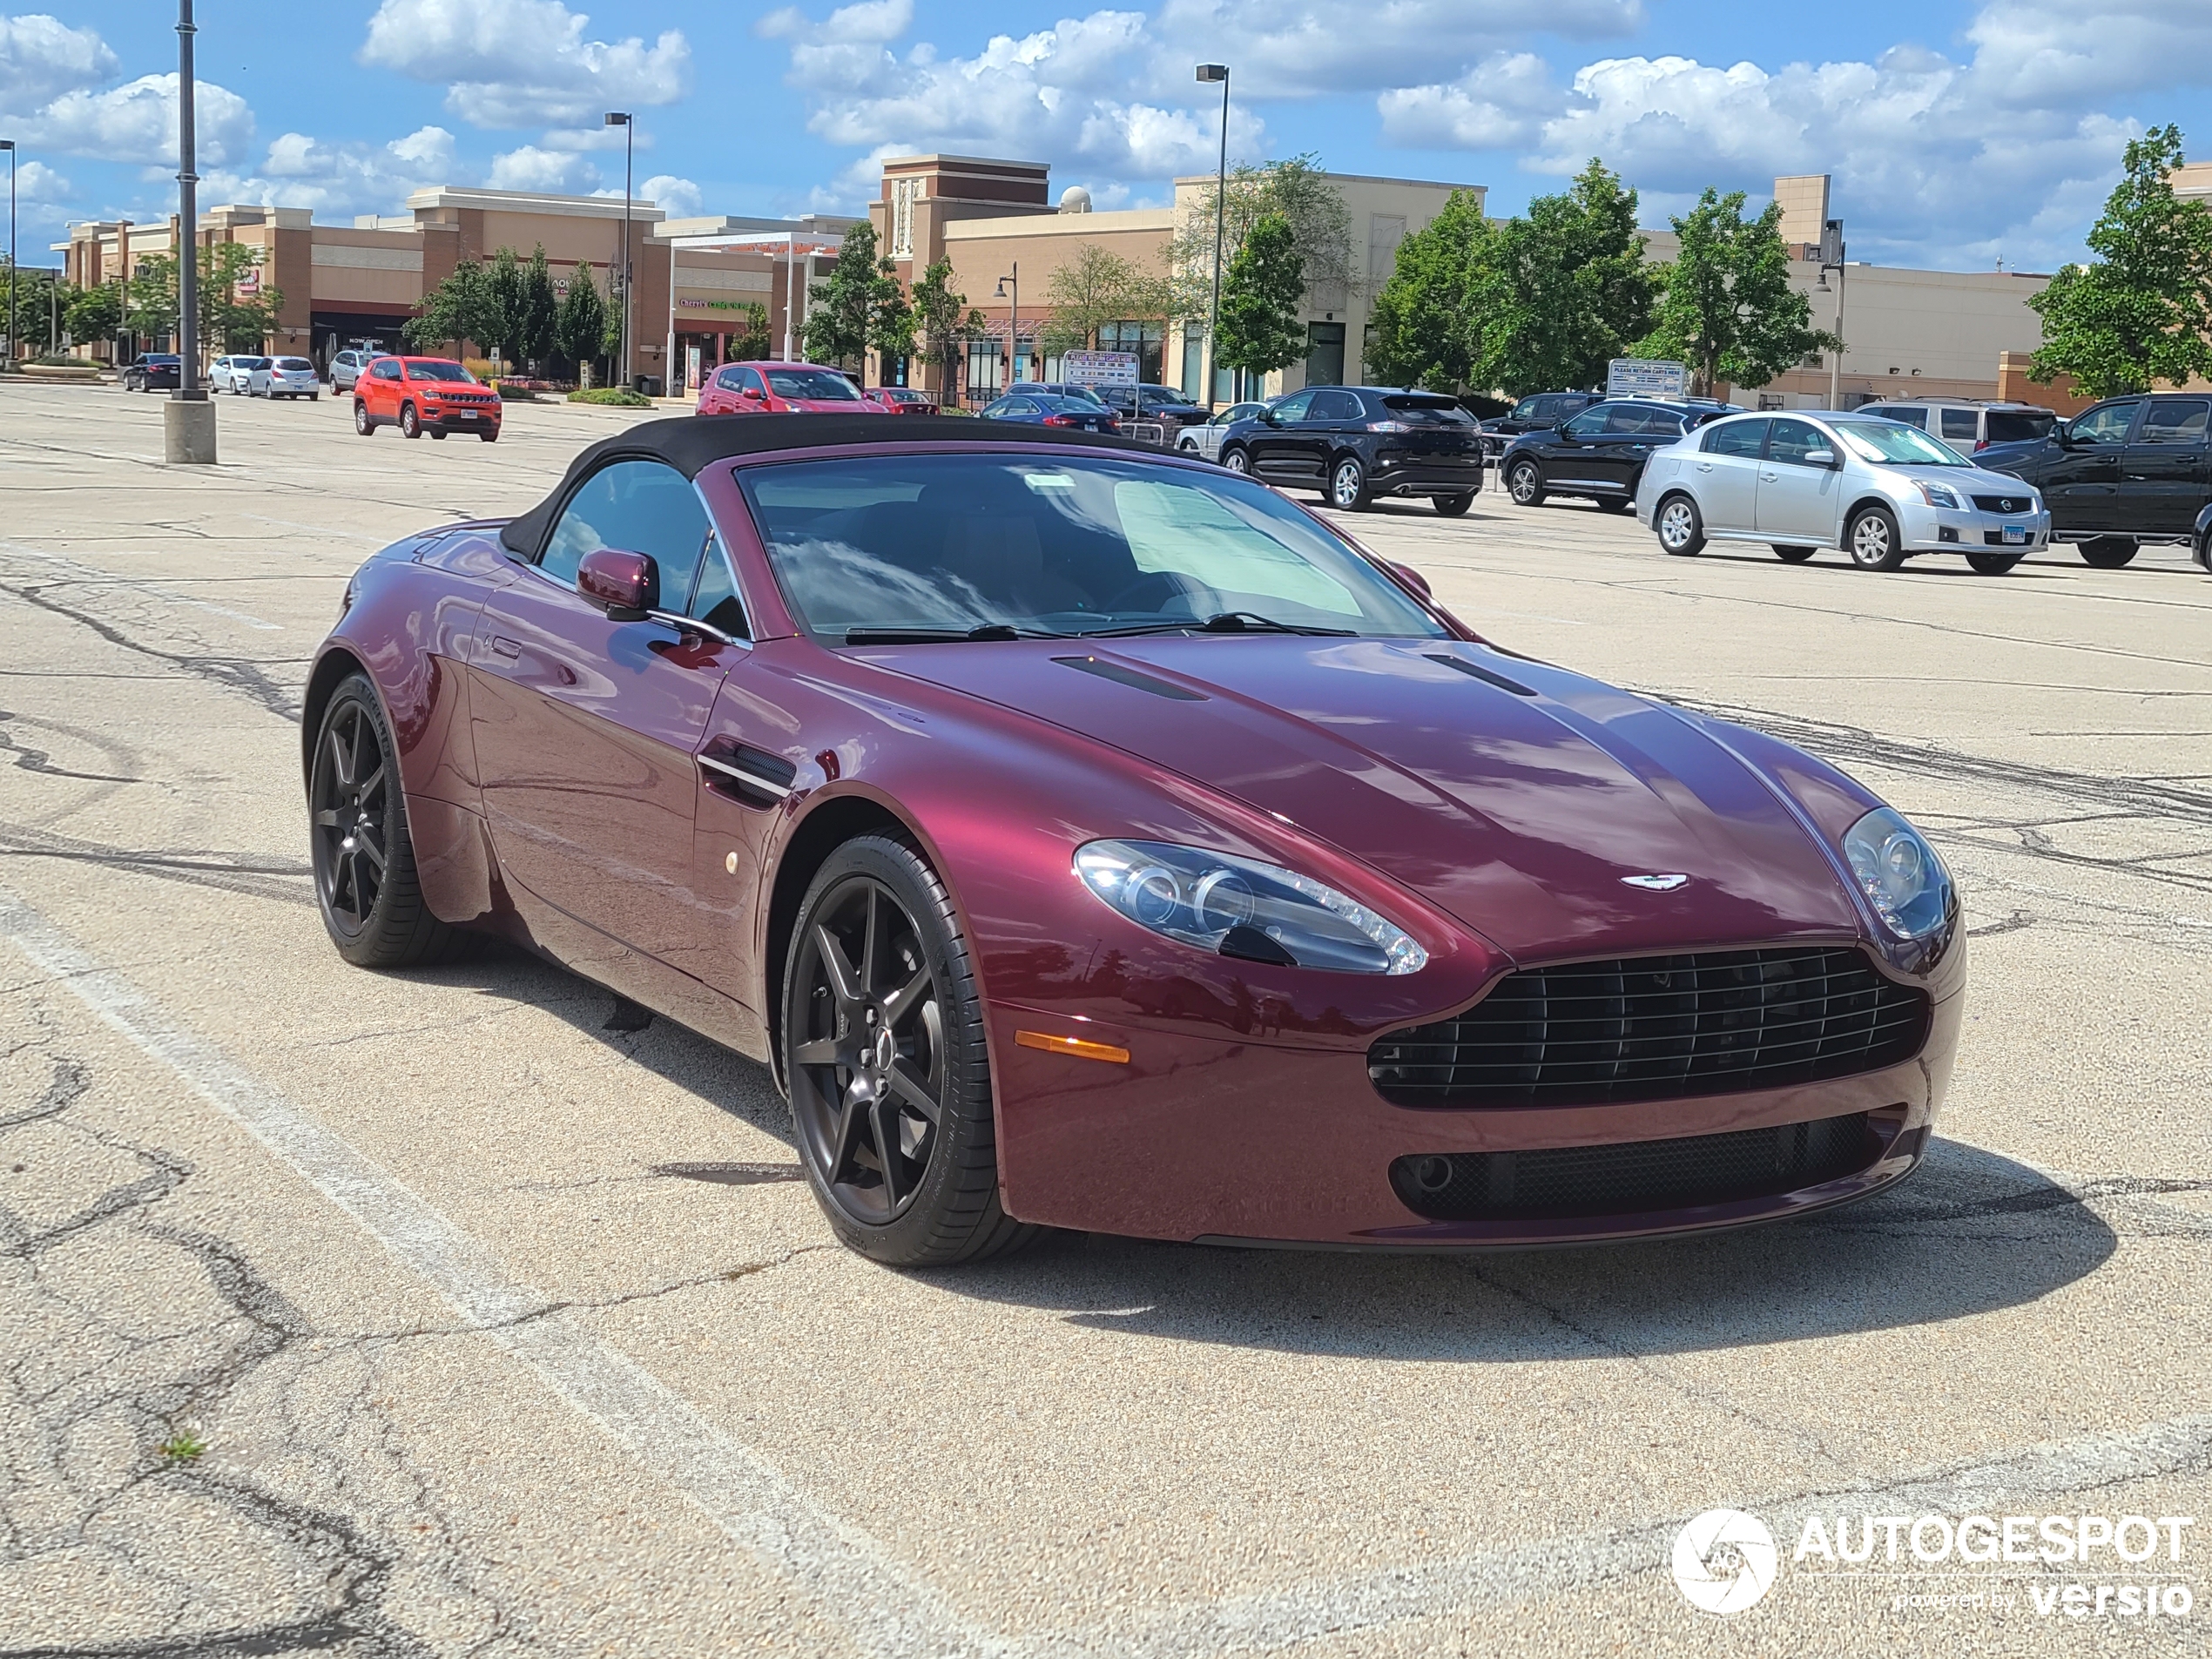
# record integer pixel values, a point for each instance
(746, 774)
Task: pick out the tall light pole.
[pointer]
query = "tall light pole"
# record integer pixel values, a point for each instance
(1831, 259)
(1013, 325)
(621, 119)
(1210, 73)
(9, 144)
(188, 418)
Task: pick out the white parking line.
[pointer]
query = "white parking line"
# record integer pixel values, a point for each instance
(890, 1613)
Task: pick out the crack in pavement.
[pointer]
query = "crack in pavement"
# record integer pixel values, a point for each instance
(245, 676)
(196, 866)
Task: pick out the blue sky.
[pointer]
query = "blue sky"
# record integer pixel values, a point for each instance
(1959, 131)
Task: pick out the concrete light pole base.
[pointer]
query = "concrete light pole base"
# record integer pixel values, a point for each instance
(188, 432)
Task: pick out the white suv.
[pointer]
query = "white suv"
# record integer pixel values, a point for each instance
(1968, 426)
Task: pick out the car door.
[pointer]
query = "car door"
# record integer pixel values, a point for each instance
(1332, 421)
(379, 388)
(1798, 502)
(586, 728)
(2163, 470)
(2081, 484)
(1583, 454)
(1724, 474)
(1276, 442)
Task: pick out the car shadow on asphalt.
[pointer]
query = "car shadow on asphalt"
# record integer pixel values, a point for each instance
(1969, 1233)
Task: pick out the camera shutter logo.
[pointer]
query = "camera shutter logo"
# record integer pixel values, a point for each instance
(1724, 1560)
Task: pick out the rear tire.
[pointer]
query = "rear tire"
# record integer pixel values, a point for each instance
(366, 886)
(877, 947)
(1453, 506)
(1348, 486)
(1680, 527)
(1994, 563)
(362, 423)
(1874, 541)
(2107, 552)
(1789, 555)
(437, 435)
(491, 436)
(1525, 483)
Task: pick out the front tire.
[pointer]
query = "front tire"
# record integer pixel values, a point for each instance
(410, 423)
(883, 1051)
(1453, 506)
(362, 424)
(366, 886)
(1994, 563)
(1792, 554)
(1873, 539)
(2107, 552)
(1680, 527)
(1525, 483)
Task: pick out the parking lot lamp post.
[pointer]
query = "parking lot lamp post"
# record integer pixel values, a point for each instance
(1210, 73)
(9, 144)
(1831, 259)
(1013, 324)
(188, 419)
(621, 119)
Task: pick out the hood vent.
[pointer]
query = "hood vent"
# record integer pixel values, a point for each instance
(1137, 679)
(1496, 679)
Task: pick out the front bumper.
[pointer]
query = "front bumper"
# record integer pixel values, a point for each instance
(1942, 529)
(1196, 1137)
(463, 421)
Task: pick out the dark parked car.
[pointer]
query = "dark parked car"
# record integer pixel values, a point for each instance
(1042, 408)
(1076, 389)
(1085, 837)
(1162, 403)
(1538, 412)
(152, 371)
(1599, 454)
(2123, 472)
(1355, 442)
(2201, 543)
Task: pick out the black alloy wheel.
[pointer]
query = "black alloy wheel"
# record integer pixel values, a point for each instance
(410, 423)
(1525, 483)
(1453, 506)
(364, 862)
(1874, 541)
(1348, 485)
(362, 424)
(1791, 554)
(2107, 552)
(1994, 563)
(1236, 460)
(884, 1060)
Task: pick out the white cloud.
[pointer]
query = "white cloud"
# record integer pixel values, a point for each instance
(677, 198)
(39, 185)
(1501, 103)
(337, 180)
(41, 57)
(551, 171)
(137, 122)
(2049, 51)
(523, 63)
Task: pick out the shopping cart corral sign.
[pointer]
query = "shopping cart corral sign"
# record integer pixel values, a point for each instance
(1099, 367)
(1645, 377)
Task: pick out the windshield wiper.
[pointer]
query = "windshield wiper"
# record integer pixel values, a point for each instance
(1226, 622)
(945, 635)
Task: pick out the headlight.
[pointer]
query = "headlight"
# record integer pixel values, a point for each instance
(1899, 873)
(1241, 907)
(1938, 495)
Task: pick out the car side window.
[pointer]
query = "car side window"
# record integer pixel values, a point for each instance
(386, 369)
(1292, 407)
(1792, 440)
(716, 603)
(1736, 438)
(1962, 423)
(2107, 425)
(641, 507)
(1334, 406)
(1590, 423)
(1628, 419)
(1905, 412)
(2173, 421)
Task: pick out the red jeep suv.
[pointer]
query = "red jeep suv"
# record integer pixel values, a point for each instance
(419, 394)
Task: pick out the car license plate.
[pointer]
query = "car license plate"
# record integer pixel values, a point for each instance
(2015, 535)
(470, 415)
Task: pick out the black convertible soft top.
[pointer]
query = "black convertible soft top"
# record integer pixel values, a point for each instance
(691, 442)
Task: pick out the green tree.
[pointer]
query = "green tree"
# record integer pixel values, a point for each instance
(944, 323)
(841, 310)
(891, 318)
(1094, 288)
(460, 309)
(229, 319)
(579, 334)
(503, 289)
(1294, 189)
(1728, 310)
(2143, 312)
(751, 343)
(96, 314)
(1260, 294)
(32, 326)
(1566, 289)
(540, 312)
(1426, 323)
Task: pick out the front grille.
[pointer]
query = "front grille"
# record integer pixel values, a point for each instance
(1633, 1176)
(2005, 503)
(1657, 1028)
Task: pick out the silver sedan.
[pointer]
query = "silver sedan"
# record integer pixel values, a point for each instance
(1878, 489)
(1204, 438)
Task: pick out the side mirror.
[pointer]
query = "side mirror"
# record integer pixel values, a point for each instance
(1267, 418)
(1412, 578)
(1823, 458)
(2063, 434)
(625, 585)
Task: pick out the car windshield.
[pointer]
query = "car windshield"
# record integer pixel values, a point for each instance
(816, 385)
(2017, 426)
(941, 547)
(439, 372)
(1428, 411)
(1893, 441)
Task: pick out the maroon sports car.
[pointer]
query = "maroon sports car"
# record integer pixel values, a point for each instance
(1091, 838)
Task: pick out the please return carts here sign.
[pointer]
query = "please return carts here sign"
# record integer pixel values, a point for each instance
(1645, 377)
(1100, 368)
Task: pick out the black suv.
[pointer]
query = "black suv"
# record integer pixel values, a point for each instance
(1538, 412)
(1599, 454)
(1355, 442)
(1162, 403)
(2122, 472)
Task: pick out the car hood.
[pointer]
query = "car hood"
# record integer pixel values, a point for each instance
(1524, 816)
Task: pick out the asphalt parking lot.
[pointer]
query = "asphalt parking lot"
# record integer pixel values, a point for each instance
(502, 1327)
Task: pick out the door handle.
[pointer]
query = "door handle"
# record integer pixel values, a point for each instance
(503, 646)
(1704, 466)
(1769, 477)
